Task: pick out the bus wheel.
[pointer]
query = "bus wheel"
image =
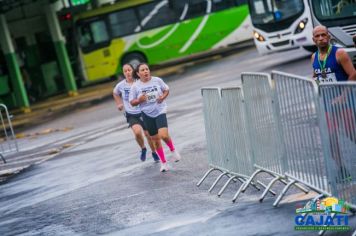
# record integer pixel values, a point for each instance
(133, 59)
(310, 48)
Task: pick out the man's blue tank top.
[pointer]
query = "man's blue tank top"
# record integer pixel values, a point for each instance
(333, 70)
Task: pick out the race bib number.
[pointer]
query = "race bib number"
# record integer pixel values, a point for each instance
(152, 96)
(328, 78)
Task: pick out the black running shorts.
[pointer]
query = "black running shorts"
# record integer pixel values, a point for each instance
(154, 124)
(133, 119)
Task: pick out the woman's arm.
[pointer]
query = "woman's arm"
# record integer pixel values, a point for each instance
(118, 101)
(163, 96)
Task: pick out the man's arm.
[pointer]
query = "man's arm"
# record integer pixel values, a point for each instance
(345, 61)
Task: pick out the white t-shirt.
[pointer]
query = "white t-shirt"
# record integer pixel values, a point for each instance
(153, 89)
(123, 89)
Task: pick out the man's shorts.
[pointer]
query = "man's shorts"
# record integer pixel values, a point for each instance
(154, 124)
(135, 119)
(343, 118)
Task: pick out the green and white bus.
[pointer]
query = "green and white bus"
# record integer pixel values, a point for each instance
(132, 31)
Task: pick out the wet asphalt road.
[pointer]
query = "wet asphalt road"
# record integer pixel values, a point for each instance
(97, 185)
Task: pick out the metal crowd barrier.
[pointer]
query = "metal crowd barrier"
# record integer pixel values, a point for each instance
(285, 126)
(299, 113)
(228, 152)
(339, 107)
(8, 143)
(268, 150)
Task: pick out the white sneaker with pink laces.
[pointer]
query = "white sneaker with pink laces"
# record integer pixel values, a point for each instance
(164, 167)
(175, 156)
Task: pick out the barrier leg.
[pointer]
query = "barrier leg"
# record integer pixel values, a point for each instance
(300, 186)
(206, 175)
(227, 183)
(216, 181)
(255, 186)
(268, 187)
(238, 193)
(269, 190)
(250, 180)
(281, 195)
(3, 158)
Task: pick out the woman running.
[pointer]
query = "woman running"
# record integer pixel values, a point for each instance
(149, 93)
(133, 114)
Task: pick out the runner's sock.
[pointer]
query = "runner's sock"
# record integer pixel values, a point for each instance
(170, 145)
(160, 153)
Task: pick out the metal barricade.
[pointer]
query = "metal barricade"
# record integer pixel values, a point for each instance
(222, 154)
(338, 101)
(263, 122)
(213, 132)
(8, 143)
(227, 136)
(299, 113)
(235, 138)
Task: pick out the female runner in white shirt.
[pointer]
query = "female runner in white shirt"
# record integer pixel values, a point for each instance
(133, 114)
(149, 93)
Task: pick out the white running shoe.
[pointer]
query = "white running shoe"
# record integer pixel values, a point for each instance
(164, 167)
(175, 156)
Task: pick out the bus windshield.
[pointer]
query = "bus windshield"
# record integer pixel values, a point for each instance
(334, 9)
(274, 11)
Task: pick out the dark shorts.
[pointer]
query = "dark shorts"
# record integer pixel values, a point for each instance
(154, 124)
(343, 118)
(135, 119)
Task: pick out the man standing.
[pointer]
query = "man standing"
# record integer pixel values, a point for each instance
(330, 63)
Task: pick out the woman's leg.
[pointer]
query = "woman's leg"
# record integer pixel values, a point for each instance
(137, 130)
(149, 140)
(152, 129)
(159, 149)
(152, 146)
(164, 135)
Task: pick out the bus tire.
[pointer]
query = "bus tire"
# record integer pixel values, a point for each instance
(310, 48)
(133, 59)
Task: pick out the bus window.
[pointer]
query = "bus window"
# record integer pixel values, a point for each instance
(99, 31)
(219, 5)
(156, 14)
(198, 8)
(123, 22)
(333, 9)
(85, 36)
(240, 2)
(268, 11)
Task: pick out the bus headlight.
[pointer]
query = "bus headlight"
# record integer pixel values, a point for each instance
(258, 36)
(301, 26)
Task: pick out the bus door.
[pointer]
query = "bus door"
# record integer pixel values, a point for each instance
(96, 53)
